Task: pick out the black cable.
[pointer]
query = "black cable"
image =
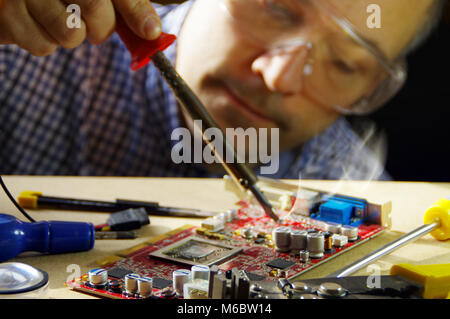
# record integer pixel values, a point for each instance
(15, 202)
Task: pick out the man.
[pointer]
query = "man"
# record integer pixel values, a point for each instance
(293, 65)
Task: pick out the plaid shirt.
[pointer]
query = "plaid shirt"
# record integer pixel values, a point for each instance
(83, 112)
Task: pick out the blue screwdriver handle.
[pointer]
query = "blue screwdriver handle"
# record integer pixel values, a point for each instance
(51, 237)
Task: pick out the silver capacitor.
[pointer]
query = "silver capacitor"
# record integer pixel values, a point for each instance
(298, 239)
(145, 286)
(179, 278)
(315, 245)
(304, 256)
(131, 286)
(334, 228)
(350, 231)
(200, 272)
(281, 238)
(98, 276)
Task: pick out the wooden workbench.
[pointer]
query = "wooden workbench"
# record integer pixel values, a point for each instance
(410, 201)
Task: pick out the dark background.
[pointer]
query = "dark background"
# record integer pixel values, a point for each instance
(417, 121)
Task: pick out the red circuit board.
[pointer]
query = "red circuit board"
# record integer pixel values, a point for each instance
(253, 258)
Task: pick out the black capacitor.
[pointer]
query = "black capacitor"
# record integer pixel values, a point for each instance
(115, 285)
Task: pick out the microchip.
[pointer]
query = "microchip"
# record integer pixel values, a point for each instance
(280, 263)
(118, 272)
(255, 277)
(161, 283)
(196, 251)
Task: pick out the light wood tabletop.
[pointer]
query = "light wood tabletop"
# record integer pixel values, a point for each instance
(410, 200)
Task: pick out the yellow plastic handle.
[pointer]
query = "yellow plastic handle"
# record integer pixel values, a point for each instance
(28, 199)
(439, 211)
(435, 279)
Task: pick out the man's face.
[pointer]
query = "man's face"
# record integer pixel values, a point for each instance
(243, 84)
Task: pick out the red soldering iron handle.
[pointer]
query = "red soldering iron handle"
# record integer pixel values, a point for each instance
(141, 50)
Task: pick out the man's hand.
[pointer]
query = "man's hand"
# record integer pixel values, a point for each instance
(40, 26)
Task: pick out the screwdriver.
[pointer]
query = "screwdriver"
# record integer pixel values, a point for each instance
(142, 52)
(436, 223)
(51, 237)
(34, 199)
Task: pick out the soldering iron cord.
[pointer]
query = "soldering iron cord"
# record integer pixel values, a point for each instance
(15, 202)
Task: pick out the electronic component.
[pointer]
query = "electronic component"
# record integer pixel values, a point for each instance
(161, 283)
(280, 263)
(342, 210)
(131, 285)
(315, 245)
(339, 240)
(145, 287)
(283, 284)
(328, 242)
(351, 232)
(247, 233)
(298, 239)
(213, 224)
(259, 240)
(182, 247)
(335, 211)
(240, 284)
(194, 251)
(179, 278)
(304, 256)
(115, 286)
(98, 277)
(219, 287)
(281, 237)
(196, 290)
(168, 293)
(118, 272)
(255, 277)
(213, 271)
(302, 202)
(200, 272)
(334, 228)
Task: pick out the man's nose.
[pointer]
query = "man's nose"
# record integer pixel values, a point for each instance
(284, 69)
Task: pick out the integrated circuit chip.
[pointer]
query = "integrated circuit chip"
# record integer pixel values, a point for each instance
(118, 272)
(161, 283)
(255, 277)
(197, 251)
(280, 263)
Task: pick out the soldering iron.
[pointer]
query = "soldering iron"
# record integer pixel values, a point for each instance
(61, 237)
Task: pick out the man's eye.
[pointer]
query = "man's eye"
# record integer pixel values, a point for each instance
(344, 67)
(280, 12)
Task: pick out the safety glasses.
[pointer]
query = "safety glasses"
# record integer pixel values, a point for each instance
(341, 70)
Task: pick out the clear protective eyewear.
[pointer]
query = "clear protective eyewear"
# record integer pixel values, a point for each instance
(343, 71)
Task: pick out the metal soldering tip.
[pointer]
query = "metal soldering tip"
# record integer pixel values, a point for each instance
(262, 200)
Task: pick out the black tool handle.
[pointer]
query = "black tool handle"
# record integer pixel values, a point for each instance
(239, 171)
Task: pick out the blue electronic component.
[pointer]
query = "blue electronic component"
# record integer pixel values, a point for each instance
(342, 210)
